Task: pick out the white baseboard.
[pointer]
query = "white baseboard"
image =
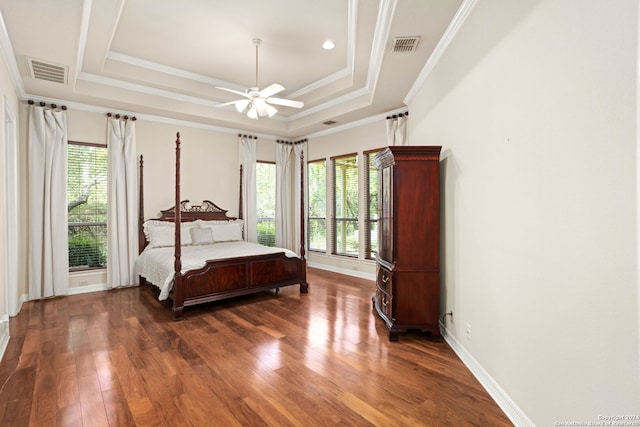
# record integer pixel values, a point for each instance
(511, 410)
(88, 288)
(4, 334)
(345, 271)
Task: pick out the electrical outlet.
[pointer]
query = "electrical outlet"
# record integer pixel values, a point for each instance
(467, 331)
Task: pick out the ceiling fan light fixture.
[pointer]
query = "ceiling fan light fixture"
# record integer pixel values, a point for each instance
(271, 110)
(241, 105)
(261, 106)
(253, 113)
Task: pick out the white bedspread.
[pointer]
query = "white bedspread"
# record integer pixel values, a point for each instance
(156, 264)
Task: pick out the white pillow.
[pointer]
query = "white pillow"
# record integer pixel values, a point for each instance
(160, 236)
(201, 236)
(203, 223)
(229, 232)
(154, 223)
(164, 235)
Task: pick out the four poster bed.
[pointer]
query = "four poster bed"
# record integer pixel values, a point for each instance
(208, 260)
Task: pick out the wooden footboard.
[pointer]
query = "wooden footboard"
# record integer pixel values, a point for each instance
(232, 277)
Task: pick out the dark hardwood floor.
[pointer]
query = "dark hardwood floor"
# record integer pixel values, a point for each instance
(116, 358)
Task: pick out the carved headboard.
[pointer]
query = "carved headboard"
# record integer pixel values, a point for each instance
(207, 211)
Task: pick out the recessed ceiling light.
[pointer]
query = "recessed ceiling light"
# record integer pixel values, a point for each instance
(328, 45)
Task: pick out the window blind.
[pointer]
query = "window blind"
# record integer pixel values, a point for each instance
(87, 205)
(371, 212)
(317, 215)
(345, 198)
(266, 203)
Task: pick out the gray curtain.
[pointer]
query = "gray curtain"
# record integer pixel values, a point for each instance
(397, 129)
(122, 202)
(248, 163)
(48, 228)
(288, 172)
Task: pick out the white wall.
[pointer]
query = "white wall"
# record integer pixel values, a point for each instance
(209, 166)
(535, 102)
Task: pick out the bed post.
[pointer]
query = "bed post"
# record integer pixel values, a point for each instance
(304, 286)
(241, 201)
(178, 290)
(141, 238)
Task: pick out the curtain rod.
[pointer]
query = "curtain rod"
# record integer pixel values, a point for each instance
(301, 141)
(44, 104)
(117, 116)
(395, 116)
(247, 136)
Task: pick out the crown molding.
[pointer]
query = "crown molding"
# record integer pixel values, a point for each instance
(173, 71)
(6, 48)
(82, 38)
(454, 26)
(222, 129)
(383, 27)
(355, 124)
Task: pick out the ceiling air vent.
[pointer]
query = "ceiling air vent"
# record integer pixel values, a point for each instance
(329, 122)
(405, 44)
(46, 71)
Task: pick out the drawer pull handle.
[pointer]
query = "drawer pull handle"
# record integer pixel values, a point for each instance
(385, 302)
(385, 279)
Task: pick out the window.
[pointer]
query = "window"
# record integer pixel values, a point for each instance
(345, 199)
(266, 203)
(317, 215)
(87, 205)
(371, 213)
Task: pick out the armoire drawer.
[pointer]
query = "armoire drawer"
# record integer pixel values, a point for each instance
(383, 301)
(385, 280)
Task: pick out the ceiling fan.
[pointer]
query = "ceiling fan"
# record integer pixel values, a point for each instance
(259, 101)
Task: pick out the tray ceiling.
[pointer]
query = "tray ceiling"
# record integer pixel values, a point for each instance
(165, 58)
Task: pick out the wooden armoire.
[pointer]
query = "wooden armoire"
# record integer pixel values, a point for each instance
(408, 262)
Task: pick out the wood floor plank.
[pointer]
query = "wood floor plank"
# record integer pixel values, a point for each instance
(117, 358)
(69, 416)
(44, 392)
(92, 403)
(66, 380)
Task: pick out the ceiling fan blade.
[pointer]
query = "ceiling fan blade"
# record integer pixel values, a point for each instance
(240, 104)
(286, 102)
(237, 92)
(271, 90)
(226, 103)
